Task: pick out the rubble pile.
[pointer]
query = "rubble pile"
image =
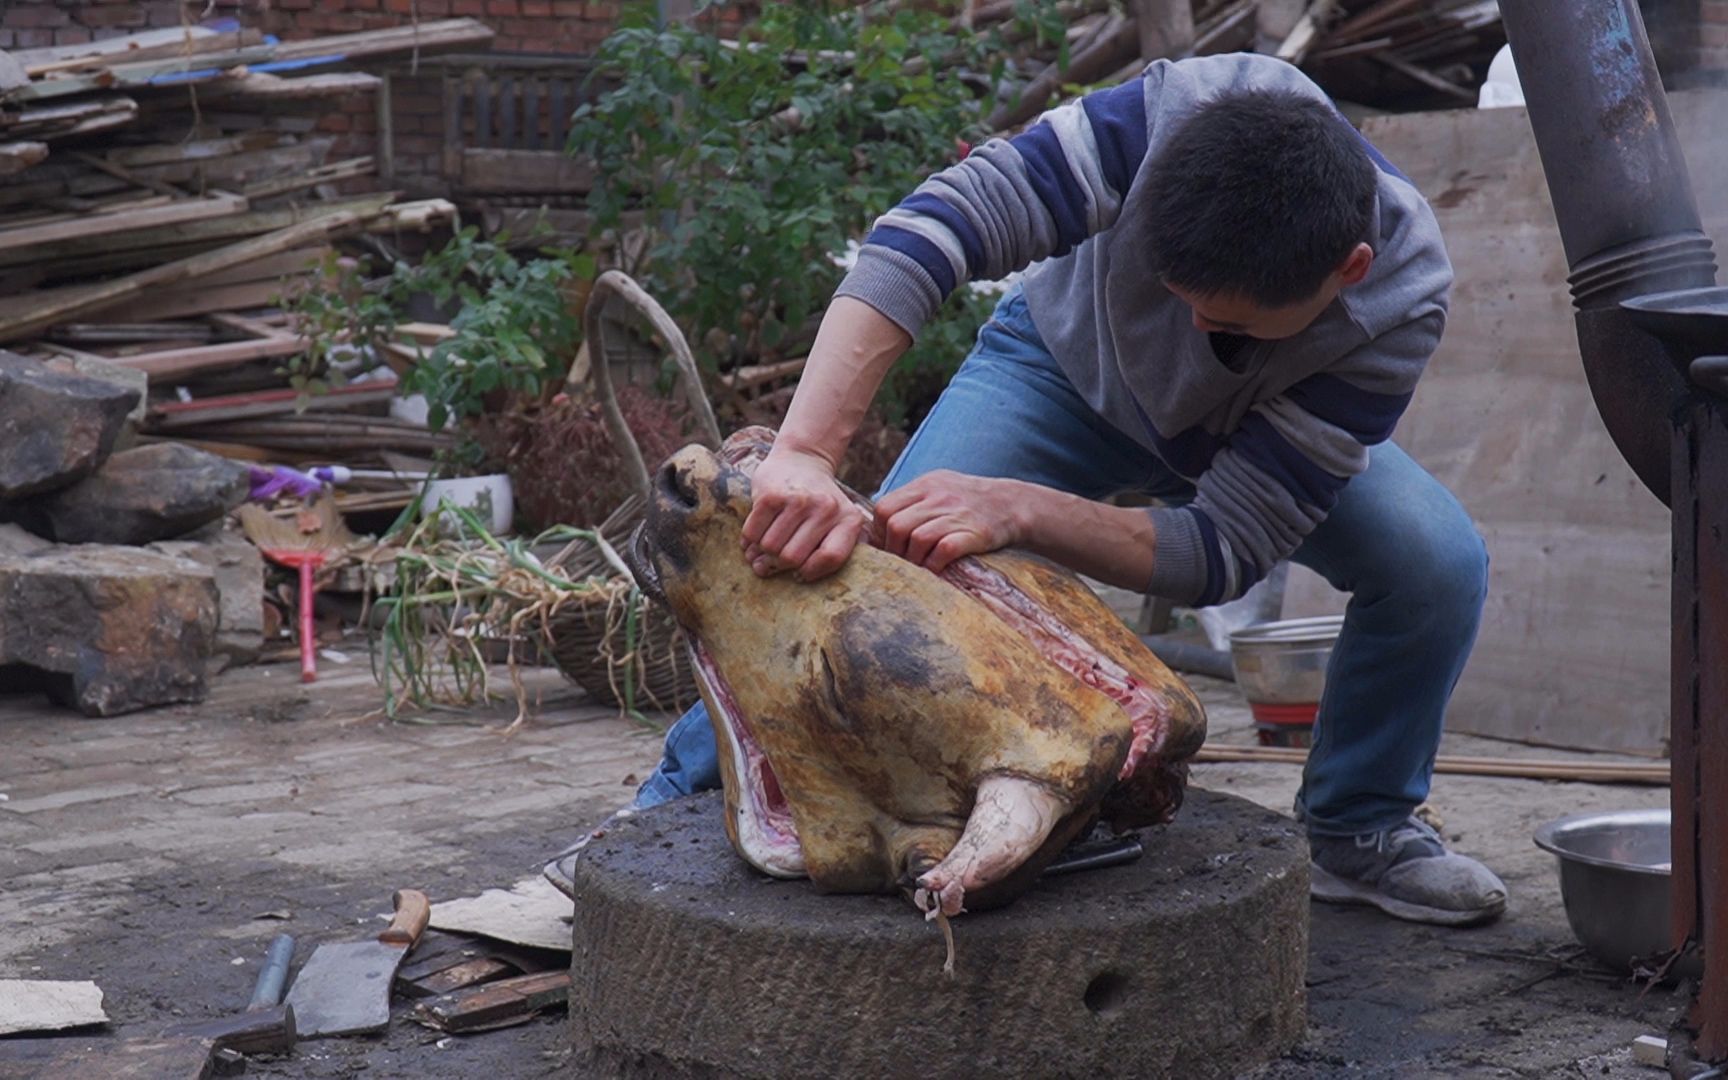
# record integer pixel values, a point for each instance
(164, 195)
(163, 198)
(1370, 55)
(105, 625)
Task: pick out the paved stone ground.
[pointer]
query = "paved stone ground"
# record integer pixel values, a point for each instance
(151, 853)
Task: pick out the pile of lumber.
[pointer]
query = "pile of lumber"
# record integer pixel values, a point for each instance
(1377, 54)
(164, 195)
(1399, 53)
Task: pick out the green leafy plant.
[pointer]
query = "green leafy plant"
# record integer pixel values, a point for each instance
(732, 172)
(346, 311)
(515, 331)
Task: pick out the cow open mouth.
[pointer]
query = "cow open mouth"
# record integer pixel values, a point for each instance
(766, 834)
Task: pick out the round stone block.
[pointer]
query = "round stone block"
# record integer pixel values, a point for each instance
(1186, 963)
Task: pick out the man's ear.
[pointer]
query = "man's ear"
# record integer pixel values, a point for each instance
(1355, 265)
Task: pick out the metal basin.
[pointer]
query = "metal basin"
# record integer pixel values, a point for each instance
(1614, 881)
(1284, 662)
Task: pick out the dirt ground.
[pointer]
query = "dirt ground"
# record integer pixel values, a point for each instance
(158, 853)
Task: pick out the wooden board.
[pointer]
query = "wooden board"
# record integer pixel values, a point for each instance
(226, 171)
(1573, 649)
(177, 70)
(167, 365)
(263, 86)
(495, 1005)
(127, 46)
(15, 157)
(30, 313)
(172, 415)
(183, 303)
(425, 37)
(178, 240)
(30, 237)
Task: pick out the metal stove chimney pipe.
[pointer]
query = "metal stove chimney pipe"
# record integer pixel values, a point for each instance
(1623, 200)
(1631, 231)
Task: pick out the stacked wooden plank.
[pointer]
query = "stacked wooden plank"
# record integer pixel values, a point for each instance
(1399, 53)
(1381, 54)
(164, 195)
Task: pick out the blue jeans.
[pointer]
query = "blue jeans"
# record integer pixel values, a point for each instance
(1397, 542)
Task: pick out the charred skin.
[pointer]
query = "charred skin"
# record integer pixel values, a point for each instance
(892, 705)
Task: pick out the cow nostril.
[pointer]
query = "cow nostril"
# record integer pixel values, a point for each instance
(1106, 994)
(676, 486)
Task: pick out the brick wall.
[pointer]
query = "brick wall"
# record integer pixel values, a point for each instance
(34, 24)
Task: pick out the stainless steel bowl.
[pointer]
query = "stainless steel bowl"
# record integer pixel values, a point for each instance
(1284, 662)
(1614, 871)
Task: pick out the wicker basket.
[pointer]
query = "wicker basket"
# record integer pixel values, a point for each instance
(639, 667)
(623, 657)
(617, 645)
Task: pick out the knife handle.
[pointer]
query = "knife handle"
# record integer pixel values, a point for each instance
(267, 992)
(413, 912)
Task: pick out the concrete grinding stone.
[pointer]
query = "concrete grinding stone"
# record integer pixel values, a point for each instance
(1187, 963)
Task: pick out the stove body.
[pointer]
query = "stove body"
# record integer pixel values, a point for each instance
(1653, 334)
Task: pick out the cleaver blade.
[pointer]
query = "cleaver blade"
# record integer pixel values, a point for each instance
(345, 988)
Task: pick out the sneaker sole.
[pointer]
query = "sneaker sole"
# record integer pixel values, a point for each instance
(1326, 886)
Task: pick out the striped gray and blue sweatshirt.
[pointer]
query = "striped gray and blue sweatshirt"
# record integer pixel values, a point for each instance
(1269, 441)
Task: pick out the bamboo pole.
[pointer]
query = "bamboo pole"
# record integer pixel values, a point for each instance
(1590, 772)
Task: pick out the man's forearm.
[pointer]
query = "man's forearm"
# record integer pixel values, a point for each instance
(1114, 544)
(855, 347)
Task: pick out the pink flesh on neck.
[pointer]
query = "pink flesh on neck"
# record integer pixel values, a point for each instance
(1146, 709)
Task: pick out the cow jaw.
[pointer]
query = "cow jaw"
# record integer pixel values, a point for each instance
(767, 838)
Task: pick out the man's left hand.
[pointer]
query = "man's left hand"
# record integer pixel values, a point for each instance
(943, 515)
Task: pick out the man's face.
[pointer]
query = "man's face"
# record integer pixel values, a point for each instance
(1231, 314)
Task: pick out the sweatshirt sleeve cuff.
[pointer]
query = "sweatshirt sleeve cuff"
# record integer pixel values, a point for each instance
(1179, 560)
(895, 285)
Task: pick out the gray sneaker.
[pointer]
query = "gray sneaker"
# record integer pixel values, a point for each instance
(1406, 872)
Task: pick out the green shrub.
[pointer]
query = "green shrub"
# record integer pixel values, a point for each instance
(748, 167)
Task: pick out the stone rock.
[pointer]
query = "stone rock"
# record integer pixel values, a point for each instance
(55, 428)
(118, 628)
(1189, 962)
(98, 367)
(238, 568)
(154, 492)
(17, 541)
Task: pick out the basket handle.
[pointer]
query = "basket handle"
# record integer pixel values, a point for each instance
(619, 284)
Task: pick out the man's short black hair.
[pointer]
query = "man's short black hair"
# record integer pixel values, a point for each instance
(1260, 194)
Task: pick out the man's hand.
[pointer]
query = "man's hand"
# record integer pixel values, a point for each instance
(800, 519)
(943, 515)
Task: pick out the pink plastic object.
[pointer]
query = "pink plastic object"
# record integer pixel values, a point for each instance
(307, 563)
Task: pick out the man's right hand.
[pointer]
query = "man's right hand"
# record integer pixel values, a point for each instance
(800, 519)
